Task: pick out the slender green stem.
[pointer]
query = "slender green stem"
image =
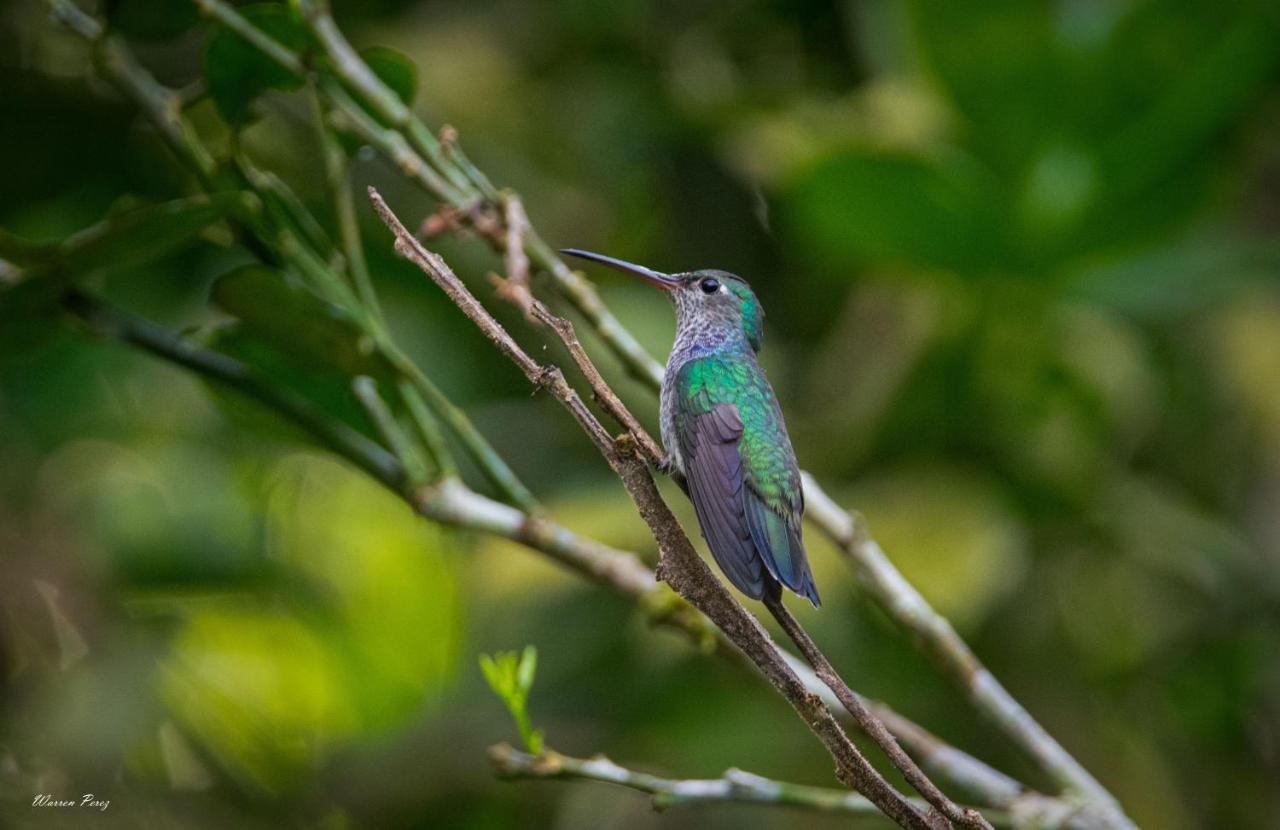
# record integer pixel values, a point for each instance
(337, 168)
(499, 474)
(309, 228)
(428, 429)
(582, 295)
(226, 15)
(349, 117)
(285, 235)
(456, 156)
(415, 467)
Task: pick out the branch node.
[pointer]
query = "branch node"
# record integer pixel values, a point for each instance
(444, 220)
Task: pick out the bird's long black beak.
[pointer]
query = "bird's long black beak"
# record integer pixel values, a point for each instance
(664, 281)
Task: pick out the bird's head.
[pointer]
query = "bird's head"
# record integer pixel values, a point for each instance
(706, 297)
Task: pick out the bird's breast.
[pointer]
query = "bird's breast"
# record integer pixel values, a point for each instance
(667, 423)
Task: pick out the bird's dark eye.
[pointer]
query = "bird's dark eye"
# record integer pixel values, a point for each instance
(710, 285)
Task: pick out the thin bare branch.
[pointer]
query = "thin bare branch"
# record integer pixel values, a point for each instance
(867, 721)
(514, 288)
(734, 786)
(600, 391)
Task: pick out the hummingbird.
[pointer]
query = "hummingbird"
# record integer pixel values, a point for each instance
(723, 431)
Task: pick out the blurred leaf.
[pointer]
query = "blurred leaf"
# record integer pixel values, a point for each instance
(1110, 367)
(363, 640)
(1170, 281)
(29, 298)
(125, 239)
(149, 20)
(21, 251)
(389, 600)
(1244, 347)
(1000, 65)
(858, 207)
(71, 645)
(1211, 63)
(951, 534)
(1114, 614)
(160, 526)
(1061, 185)
(297, 322)
(327, 389)
(238, 73)
(260, 691)
(145, 233)
(1101, 120)
(183, 768)
(394, 69)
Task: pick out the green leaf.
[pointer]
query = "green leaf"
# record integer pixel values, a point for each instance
(511, 678)
(143, 234)
(238, 73)
(494, 674)
(1001, 67)
(1223, 65)
(528, 666)
(329, 391)
(296, 321)
(1170, 282)
(24, 252)
(394, 69)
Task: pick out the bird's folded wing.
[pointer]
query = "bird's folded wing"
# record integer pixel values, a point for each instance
(713, 467)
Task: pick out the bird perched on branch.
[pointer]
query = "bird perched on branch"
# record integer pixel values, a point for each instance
(723, 431)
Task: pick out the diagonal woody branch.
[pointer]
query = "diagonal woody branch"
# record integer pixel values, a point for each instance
(680, 567)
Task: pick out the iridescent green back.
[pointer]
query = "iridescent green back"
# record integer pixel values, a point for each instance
(768, 460)
(742, 470)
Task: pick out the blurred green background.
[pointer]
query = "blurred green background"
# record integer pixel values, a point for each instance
(1020, 263)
